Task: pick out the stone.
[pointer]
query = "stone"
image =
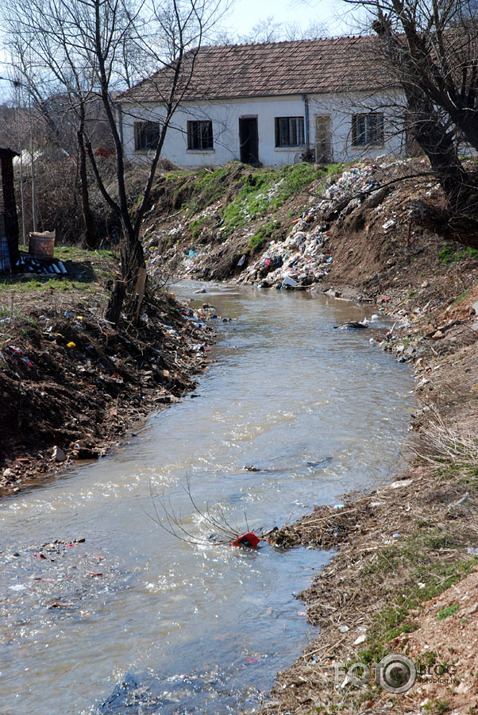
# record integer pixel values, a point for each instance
(9, 475)
(58, 454)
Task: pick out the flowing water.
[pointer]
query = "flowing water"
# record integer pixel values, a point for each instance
(133, 619)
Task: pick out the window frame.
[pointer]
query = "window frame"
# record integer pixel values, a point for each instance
(371, 133)
(146, 135)
(289, 132)
(200, 135)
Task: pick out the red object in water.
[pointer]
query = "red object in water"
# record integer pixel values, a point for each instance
(249, 540)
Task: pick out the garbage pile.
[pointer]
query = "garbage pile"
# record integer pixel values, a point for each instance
(348, 191)
(31, 264)
(299, 261)
(303, 258)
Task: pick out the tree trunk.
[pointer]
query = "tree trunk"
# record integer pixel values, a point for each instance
(90, 229)
(115, 303)
(125, 292)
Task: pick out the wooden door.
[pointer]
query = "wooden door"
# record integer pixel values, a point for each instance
(323, 140)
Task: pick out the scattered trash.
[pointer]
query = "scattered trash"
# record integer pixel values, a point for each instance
(19, 353)
(401, 484)
(344, 629)
(352, 325)
(388, 225)
(224, 533)
(289, 282)
(31, 264)
(249, 540)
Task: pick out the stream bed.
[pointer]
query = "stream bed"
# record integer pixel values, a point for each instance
(103, 611)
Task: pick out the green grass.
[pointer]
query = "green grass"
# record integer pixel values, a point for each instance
(448, 611)
(436, 707)
(252, 193)
(452, 253)
(462, 471)
(423, 579)
(264, 233)
(266, 192)
(40, 283)
(461, 298)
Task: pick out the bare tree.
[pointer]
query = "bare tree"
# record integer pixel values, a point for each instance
(88, 49)
(431, 49)
(270, 30)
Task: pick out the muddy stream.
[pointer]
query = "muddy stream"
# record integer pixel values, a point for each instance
(102, 611)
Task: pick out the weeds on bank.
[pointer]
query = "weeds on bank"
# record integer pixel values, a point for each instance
(448, 611)
(453, 454)
(422, 578)
(263, 193)
(453, 253)
(431, 559)
(436, 707)
(39, 283)
(253, 193)
(263, 234)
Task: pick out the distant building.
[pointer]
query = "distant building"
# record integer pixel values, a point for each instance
(269, 104)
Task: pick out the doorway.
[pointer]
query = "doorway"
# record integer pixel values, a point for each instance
(323, 140)
(249, 140)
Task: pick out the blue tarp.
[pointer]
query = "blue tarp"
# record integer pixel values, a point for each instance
(4, 254)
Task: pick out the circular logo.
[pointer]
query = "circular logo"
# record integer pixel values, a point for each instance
(396, 673)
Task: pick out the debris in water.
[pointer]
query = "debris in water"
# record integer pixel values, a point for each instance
(224, 533)
(249, 541)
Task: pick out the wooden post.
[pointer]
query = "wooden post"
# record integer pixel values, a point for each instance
(139, 290)
(9, 204)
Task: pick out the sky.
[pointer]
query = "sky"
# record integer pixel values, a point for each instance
(335, 14)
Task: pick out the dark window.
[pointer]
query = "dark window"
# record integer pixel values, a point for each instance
(200, 135)
(367, 129)
(146, 135)
(289, 131)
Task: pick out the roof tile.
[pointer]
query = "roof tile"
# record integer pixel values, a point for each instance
(269, 69)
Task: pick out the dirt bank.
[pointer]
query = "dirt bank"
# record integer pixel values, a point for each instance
(71, 385)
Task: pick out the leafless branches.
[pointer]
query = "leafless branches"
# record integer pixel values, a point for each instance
(171, 519)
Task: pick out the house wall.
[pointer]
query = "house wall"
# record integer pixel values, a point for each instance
(225, 117)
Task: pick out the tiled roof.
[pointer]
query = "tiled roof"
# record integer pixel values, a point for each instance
(270, 69)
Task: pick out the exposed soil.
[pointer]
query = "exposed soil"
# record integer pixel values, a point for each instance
(71, 385)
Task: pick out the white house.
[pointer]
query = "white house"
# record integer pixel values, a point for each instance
(270, 104)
